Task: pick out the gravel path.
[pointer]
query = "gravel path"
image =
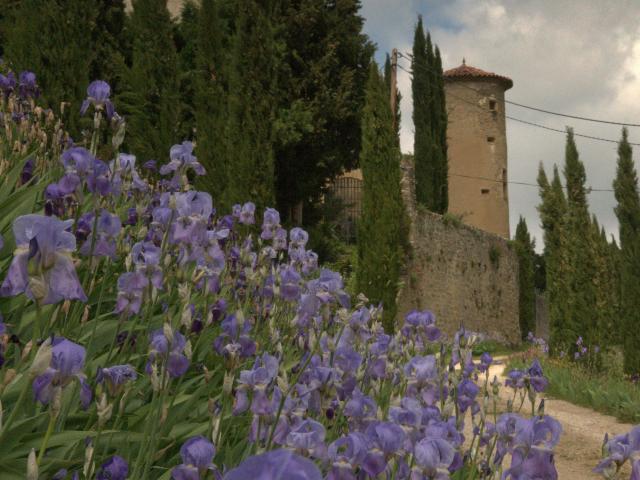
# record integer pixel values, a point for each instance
(581, 441)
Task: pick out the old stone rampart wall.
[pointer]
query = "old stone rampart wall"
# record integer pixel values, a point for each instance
(464, 275)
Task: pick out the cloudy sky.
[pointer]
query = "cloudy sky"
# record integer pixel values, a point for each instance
(577, 57)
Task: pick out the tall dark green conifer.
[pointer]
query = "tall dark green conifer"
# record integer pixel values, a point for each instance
(525, 249)
(429, 120)
(387, 81)
(111, 44)
(256, 54)
(212, 89)
(421, 89)
(581, 299)
(628, 213)
(382, 228)
(552, 209)
(187, 44)
(150, 98)
(52, 39)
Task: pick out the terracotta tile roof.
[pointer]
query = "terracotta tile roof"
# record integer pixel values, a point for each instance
(467, 71)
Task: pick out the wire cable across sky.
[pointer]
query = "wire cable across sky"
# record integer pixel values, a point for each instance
(558, 130)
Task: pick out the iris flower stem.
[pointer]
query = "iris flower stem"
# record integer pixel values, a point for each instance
(47, 436)
(97, 314)
(36, 327)
(153, 440)
(16, 408)
(288, 392)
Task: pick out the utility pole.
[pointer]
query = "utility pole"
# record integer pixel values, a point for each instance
(393, 93)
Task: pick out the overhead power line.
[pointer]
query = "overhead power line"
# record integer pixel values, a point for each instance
(591, 137)
(589, 189)
(408, 57)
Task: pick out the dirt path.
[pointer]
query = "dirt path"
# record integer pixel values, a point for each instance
(581, 441)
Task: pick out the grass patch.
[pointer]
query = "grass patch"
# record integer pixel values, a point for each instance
(607, 394)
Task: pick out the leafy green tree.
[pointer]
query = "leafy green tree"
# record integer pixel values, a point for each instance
(429, 120)
(628, 212)
(525, 249)
(252, 101)
(150, 98)
(51, 39)
(382, 228)
(320, 96)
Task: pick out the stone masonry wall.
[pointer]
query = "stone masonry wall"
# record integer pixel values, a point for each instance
(464, 275)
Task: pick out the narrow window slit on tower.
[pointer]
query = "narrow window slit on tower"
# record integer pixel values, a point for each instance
(491, 139)
(484, 191)
(492, 104)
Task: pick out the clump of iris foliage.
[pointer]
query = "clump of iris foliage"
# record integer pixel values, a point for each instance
(146, 335)
(577, 380)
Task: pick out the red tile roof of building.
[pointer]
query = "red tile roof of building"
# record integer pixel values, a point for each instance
(467, 71)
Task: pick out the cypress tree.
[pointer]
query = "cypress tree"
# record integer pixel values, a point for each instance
(252, 100)
(440, 136)
(429, 121)
(51, 39)
(525, 249)
(187, 44)
(382, 228)
(212, 89)
(628, 212)
(422, 140)
(552, 210)
(581, 298)
(150, 99)
(387, 81)
(110, 43)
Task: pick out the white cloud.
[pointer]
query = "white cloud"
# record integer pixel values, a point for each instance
(579, 57)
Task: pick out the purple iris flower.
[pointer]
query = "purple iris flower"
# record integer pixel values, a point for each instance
(422, 325)
(270, 223)
(67, 362)
(298, 237)
(197, 459)
(290, 284)
(182, 158)
(256, 380)
(42, 266)
(535, 464)
(467, 392)
(618, 450)
(275, 465)
(536, 377)
(131, 286)
(98, 94)
(150, 165)
(8, 83)
(116, 468)
(246, 213)
(115, 377)
(104, 243)
(234, 339)
(146, 257)
(540, 432)
(347, 454)
(308, 439)
(433, 456)
(485, 362)
(515, 379)
(177, 361)
(28, 87)
(27, 171)
(385, 439)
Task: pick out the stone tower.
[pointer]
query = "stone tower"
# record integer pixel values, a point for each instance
(477, 147)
